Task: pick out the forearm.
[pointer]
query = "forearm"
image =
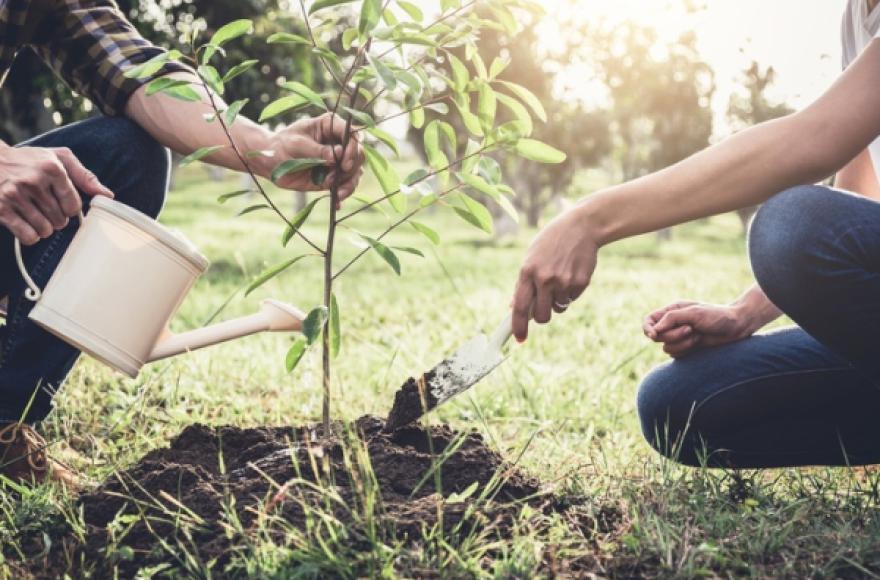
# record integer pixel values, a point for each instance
(181, 126)
(749, 167)
(754, 310)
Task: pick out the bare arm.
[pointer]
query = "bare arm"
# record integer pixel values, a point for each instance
(744, 170)
(181, 126)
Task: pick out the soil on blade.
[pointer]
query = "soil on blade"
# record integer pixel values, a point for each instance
(288, 472)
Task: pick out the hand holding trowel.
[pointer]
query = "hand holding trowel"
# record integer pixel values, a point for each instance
(471, 362)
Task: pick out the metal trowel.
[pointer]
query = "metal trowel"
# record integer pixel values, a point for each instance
(467, 366)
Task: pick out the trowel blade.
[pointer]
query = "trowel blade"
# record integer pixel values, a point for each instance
(455, 374)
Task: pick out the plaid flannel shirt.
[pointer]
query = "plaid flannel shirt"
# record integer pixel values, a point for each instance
(88, 43)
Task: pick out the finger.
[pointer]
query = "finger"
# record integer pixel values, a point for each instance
(35, 218)
(648, 327)
(82, 178)
(675, 318)
(347, 188)
(561, 301)
(353, 156)
(523, 298)
(62, 189)
(332, 128)
(543, 303)
(658, 314)
(676, 334)
(51, 208)
(21, 230)
(682, 348)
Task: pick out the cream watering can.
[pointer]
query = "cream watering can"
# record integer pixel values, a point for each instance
(119, 284)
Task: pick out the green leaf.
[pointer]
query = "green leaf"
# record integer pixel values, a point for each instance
(409, 250)
(199, 153)
(414, 11)
(227, 196)
(528, 97)
(508, 208)
(384, 251)
(298, 220)
(212, 77)
(389, 18)
(486, 106)
(415, 176)
(183, 92)
(239, 69)
(162, 83)
(282, 105)
(287, 38)
(519, 111)
(294, 165)
(388, 78)
(362, 118)
(479, 184)
(295, 354)
(371, 10)
(232, 31)
(335, 334)
(460, 75)
(385, 138)
(251, 209)
(152, 66)
(475, 213)
(433, 236)
(386, 176)
(471, 121)
(417, 118)
(538, 151)
(233, 111)
(271, 272)
(305, 92)
(348, 37)
(497, 67)
(321, 4)
(464, 495)
(314, 322)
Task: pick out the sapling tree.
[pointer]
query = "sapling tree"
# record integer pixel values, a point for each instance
(383, 64)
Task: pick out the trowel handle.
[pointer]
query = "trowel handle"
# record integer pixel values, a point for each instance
(33, 291)
(503, 333)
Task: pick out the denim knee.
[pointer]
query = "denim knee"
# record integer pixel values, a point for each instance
(664, 420)
(145, 160)
(789, 246)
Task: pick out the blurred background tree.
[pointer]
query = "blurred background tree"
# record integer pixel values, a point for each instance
(654, 109)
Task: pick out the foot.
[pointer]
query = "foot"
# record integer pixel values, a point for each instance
(24, 458)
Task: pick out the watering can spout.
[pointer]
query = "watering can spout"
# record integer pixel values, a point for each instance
(272, 316)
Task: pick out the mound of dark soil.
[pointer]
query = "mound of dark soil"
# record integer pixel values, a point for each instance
(286, 472)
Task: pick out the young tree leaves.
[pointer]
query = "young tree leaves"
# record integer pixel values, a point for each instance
(412, 10)
(305, 92)
(298, 220)
(210, 75)
(460, 75)
(389, 256)
(251, 209)
(294, 165)
(152, 66)
(519, 112)
(164, 83)
(183, 92)
(232, 31)
(233, 111)
(528, 97)
(231, 195)
(200, 153)
(321, 4)
(360, 117)
(271, 272)
(474, 213)
(282, 105)
(295, 354)
(538, 151)
(384, 73)
(314, 322)
(486, 107)
(385, 138)
(239, 69)
(287, 38)
(371, 11)
(386, 176)
(429, 233)
(335, 334)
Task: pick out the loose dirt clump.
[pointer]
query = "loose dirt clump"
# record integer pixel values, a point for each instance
(288, 474)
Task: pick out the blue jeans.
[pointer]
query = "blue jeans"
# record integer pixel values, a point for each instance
(807, 395)
(33, 363)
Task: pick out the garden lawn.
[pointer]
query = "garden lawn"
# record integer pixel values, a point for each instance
(563, 405)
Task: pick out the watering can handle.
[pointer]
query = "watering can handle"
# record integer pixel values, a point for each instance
(33, 291)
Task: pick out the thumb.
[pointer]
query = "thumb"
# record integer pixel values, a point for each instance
(82, 178)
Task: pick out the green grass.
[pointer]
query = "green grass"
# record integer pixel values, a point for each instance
(565, 400)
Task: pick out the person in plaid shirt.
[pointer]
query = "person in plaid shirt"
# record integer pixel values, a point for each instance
(122, 154)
